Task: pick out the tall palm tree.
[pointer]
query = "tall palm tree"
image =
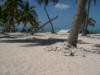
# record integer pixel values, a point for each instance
(10, 9)
(45, 9)
(0, 11)
(87, 11)
(90, 22)
(3, 19)
(1, 14)
(73, 37)
(28, 15)
(16, 11)
(45, 3)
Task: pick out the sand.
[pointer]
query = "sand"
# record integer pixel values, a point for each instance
(28, 55)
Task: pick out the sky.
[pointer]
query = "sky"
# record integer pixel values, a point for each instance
(65, 10)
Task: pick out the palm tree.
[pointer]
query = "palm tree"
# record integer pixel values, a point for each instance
(1, 14)
(45, 3)
(87, 12)
(10, 7)
(73, 37)
(28, 15)
(16, 11)
(0, 11)
(89, 22)
(45, 9)
(3, 18)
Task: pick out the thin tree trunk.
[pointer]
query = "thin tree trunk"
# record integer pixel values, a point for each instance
(49, 19)
(73, 37)
(88, 12)
(48, 22)
(84, 29)
(43, 25)
(24, 28)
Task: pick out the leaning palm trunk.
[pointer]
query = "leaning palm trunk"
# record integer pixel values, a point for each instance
(43, 25)
(73, 37)
(49, 19)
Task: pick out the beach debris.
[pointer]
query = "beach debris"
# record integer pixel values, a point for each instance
(55, 47)
(73, 51)
(67, 49)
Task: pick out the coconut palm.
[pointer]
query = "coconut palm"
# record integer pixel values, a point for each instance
(45, 3)
(28, 15)
(16, 11)
(10, 7)
(73, 37)
(0, 11)
(87, 12)
(89, 22)
(3, 18)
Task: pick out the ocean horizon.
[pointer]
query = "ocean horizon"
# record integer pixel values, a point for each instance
(56, 29)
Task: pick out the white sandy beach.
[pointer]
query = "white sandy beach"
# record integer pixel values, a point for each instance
(28, 55)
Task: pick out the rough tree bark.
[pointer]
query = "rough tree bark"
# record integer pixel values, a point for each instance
(73, 37)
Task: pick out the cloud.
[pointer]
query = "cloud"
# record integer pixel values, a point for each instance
(62, 6)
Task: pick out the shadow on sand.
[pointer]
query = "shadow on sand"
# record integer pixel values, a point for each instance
(97, 45)
(7, 36)
(10, 36)
(82, 42)
(96, 49)
(34, 41)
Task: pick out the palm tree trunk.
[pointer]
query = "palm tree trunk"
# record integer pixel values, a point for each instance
(49, 19)
(43, 25)
(48, 22)
(85, 29)
(73, 37)
(88, 12)
(23, 30)
(84, 32)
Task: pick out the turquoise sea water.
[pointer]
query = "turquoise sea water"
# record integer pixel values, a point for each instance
(91, 29)
(95, 30)
(56, 28)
